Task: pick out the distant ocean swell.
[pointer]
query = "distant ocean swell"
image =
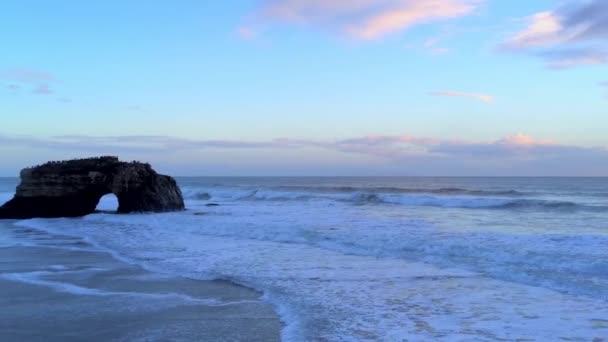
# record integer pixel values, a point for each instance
(397, 190)
(511, 200)
(391, 190)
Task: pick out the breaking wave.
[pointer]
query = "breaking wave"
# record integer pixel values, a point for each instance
(465, 202)
(472, 203)
(203, 196)
(195, 194)
(260, 195)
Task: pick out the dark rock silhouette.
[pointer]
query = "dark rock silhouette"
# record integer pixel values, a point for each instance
(73, 188)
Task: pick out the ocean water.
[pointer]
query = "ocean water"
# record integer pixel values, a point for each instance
(383, 259)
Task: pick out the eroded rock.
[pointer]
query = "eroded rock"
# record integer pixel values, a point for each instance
(73, 188)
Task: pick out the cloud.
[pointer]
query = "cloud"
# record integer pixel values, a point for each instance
(519, 154)
(247, 33)
(569, 58)
(389, 139)
(408, 14)
(476, 96)
(544, 29)
(522, 148)
(42, 89)
(525, 140)
(25, 76)
(366, 19)
(432, 45)
(13, 87)
(153, 143)
(571, 36)
(381, 144)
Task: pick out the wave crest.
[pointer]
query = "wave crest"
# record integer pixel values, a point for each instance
(473, 203)
(203, 196)
(464, 202)
(398, 190)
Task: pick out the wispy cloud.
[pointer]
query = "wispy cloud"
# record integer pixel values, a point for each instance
(379, 145)
(366, 19)
(509, 151)
(570, 36)
(42, 89)
(26, 75)
(475, 96)
(525, 140)
(563, 59)
(40, 80)
(408, 14)
(544, 29)
(247, 33)
(519, 154)
(432, 46)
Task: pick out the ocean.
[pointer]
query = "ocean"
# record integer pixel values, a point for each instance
(379, 259)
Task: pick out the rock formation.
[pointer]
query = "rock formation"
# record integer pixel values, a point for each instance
(73, 188)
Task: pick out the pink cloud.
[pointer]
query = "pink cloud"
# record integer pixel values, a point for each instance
(367, 19)
(408, 14)
(378, 145)
(390, 139)
(525, 140)
(570, 36)
(383, 146)
(476, 96)
(247, 33)
(519, 154)
(544, 29)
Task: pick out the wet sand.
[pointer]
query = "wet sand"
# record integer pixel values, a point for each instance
(58, 290)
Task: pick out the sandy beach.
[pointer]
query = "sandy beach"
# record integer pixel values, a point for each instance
(58, 288)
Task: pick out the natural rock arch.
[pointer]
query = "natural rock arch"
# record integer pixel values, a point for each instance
(73, 188)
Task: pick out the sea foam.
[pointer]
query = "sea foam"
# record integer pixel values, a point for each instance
(354, 266)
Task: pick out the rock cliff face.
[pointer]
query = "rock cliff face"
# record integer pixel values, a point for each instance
(73, 188)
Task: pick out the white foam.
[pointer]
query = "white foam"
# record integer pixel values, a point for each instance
(340, 272)
(36, 278)
(327, 294)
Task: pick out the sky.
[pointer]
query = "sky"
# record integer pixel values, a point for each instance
(308, 87)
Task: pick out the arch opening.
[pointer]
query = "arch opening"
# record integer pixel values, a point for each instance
(108, 203)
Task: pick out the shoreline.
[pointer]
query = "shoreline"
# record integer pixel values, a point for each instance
(60, 288)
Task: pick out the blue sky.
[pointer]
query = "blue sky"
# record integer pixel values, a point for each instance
(309, 87)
